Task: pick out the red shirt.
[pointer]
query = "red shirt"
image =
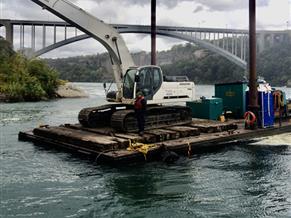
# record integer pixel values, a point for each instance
(139, 103)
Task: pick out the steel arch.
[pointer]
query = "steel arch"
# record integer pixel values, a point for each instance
(241, 63)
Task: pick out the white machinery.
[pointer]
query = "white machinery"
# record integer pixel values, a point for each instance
(129, 80)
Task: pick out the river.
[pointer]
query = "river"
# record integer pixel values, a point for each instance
(246, 180)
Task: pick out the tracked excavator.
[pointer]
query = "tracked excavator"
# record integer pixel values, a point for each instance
(160, 91)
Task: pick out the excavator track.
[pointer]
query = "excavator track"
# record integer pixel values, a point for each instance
(156, 117)
(99, 116)
(122, 118)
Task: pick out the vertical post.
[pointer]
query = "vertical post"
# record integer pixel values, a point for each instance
(241, 45)
(9, 32)
(153, 32)
(227, 47)
(214, 38)
(253, 93)
(21, 37)
(55, 34)
(65, 32)
(232, 43)
(23, 32)
(33, 37)
(235, 45)
(43, 36)
(245, 46)
(223, 40)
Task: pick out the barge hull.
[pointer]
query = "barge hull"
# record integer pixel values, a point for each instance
(199, 136)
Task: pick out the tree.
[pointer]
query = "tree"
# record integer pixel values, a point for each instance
(22, 79)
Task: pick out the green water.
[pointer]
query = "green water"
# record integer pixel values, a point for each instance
(246, 180)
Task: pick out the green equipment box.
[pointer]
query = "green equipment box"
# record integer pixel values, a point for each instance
(233, 96)
(208, 108)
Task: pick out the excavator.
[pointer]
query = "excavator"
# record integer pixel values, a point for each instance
(161, 92)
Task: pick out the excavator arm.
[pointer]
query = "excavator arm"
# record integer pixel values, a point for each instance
(104, 33)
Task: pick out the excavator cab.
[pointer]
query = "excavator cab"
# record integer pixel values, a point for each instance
(129, 83)
(147, 79)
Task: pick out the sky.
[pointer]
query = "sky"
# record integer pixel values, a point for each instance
(271, 15)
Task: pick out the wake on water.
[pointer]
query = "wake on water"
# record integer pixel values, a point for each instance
(276, 140)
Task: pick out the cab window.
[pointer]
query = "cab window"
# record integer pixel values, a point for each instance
(150, 80)
(128, 84)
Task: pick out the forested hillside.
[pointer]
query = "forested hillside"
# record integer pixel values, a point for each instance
(275, 64)
(22, 79)
(201, 66)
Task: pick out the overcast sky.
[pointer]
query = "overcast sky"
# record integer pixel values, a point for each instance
(271, 14)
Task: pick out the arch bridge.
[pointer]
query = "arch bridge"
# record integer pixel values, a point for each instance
(230, 43)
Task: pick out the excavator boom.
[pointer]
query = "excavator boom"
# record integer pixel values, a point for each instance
(102, 32)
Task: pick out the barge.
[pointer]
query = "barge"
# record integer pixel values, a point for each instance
(105, 145)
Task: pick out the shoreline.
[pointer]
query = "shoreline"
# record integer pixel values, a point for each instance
(70, 90)
(67, 90)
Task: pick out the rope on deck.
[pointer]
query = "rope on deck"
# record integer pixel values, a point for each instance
(140, 147)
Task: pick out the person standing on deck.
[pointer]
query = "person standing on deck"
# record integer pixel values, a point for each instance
(140, 112)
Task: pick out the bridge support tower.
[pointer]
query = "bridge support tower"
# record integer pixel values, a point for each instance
(8, 30)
